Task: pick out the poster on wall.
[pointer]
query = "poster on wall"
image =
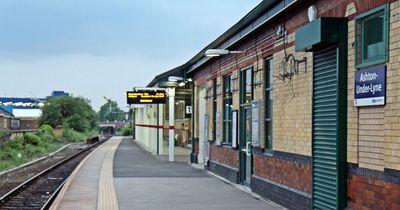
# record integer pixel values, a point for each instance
(218, 129)
(255, 123)
(206, 124)
(234, 128)
(370, 86)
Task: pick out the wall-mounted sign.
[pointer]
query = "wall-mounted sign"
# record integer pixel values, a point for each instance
(146, 97)
(255, 123)
(218, 128)
(206, 124)
(370, 86)
(234, 128)
(188, 109)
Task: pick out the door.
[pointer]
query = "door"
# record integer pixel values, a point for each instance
(245, 149)
(246, 158)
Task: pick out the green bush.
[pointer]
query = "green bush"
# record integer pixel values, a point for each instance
(5, 134)
(72, 135)
(33, 139)
(5, 154)
(77, 123)
(17, 143)
(126, 131)
(45, 128)
(46, 133)
(33, 150)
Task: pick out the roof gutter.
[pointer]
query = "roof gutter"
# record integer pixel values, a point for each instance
(200, 59)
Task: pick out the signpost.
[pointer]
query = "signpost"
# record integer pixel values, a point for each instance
(370, 86)
(146, 97)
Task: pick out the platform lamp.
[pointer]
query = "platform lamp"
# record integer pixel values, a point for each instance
(219, 52)
(171, 84)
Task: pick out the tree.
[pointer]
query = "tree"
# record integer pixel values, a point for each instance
(69, 111)
(111, 112)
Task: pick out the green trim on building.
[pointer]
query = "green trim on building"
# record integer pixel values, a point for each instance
(329, 129)
(360, 62)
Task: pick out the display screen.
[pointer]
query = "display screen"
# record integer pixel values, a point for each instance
(146, 97)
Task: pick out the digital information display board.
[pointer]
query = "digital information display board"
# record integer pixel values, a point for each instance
(146, 97)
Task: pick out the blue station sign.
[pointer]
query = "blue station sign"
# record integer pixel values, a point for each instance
(370, 86)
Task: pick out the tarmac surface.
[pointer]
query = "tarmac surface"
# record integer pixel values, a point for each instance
(144, 182)
(121, 175)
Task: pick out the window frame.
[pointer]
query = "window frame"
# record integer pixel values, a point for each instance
(243, 82)
(365, 16)
(268, 90)
(227, 80)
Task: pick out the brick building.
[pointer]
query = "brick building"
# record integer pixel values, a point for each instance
(286, 109)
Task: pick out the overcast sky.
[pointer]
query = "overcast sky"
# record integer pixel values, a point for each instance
(96, 48)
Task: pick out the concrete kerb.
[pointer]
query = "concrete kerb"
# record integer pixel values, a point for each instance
(67, 183)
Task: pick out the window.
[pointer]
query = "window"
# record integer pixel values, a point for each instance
(268, 104)
(247, 86)
(215, 109)
(371, 44)
(227, 107)
(180, 109)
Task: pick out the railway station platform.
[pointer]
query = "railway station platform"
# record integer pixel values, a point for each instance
(121, 175)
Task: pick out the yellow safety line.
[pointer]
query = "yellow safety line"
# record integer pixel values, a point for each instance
(107, 197)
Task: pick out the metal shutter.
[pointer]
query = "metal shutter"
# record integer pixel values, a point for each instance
(324, 119)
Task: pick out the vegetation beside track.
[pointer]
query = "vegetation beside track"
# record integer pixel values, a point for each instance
(73, 114)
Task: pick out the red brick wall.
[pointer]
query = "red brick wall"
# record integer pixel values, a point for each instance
(367, 193)
(289, 173)
(224, 155)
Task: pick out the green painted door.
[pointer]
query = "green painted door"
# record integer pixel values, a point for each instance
(325, 129)
(245, 146)
(245, 152)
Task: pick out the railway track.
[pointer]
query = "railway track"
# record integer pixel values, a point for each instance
(39, 191)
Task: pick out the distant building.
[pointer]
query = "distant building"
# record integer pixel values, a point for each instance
(22, 102)
(23, 113)
(5, 118)
(57, 93)
(28, 119)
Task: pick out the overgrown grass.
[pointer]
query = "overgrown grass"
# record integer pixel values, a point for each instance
(30, 146)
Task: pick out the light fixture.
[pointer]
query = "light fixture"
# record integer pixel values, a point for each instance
(219, 52)
(181, 84)
(174, 79)
(312, 13)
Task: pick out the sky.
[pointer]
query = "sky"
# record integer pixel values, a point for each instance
(96, 48)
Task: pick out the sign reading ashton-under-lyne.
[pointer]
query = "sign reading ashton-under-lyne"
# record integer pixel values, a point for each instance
(146, 97)
(370, 86)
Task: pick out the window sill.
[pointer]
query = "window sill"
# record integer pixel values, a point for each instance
(371, 63)
(268, 153)
(226, 145)
(263, 151)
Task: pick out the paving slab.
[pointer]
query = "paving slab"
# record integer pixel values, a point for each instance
(144, 182)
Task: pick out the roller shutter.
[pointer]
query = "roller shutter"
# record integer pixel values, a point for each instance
(325, 127)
